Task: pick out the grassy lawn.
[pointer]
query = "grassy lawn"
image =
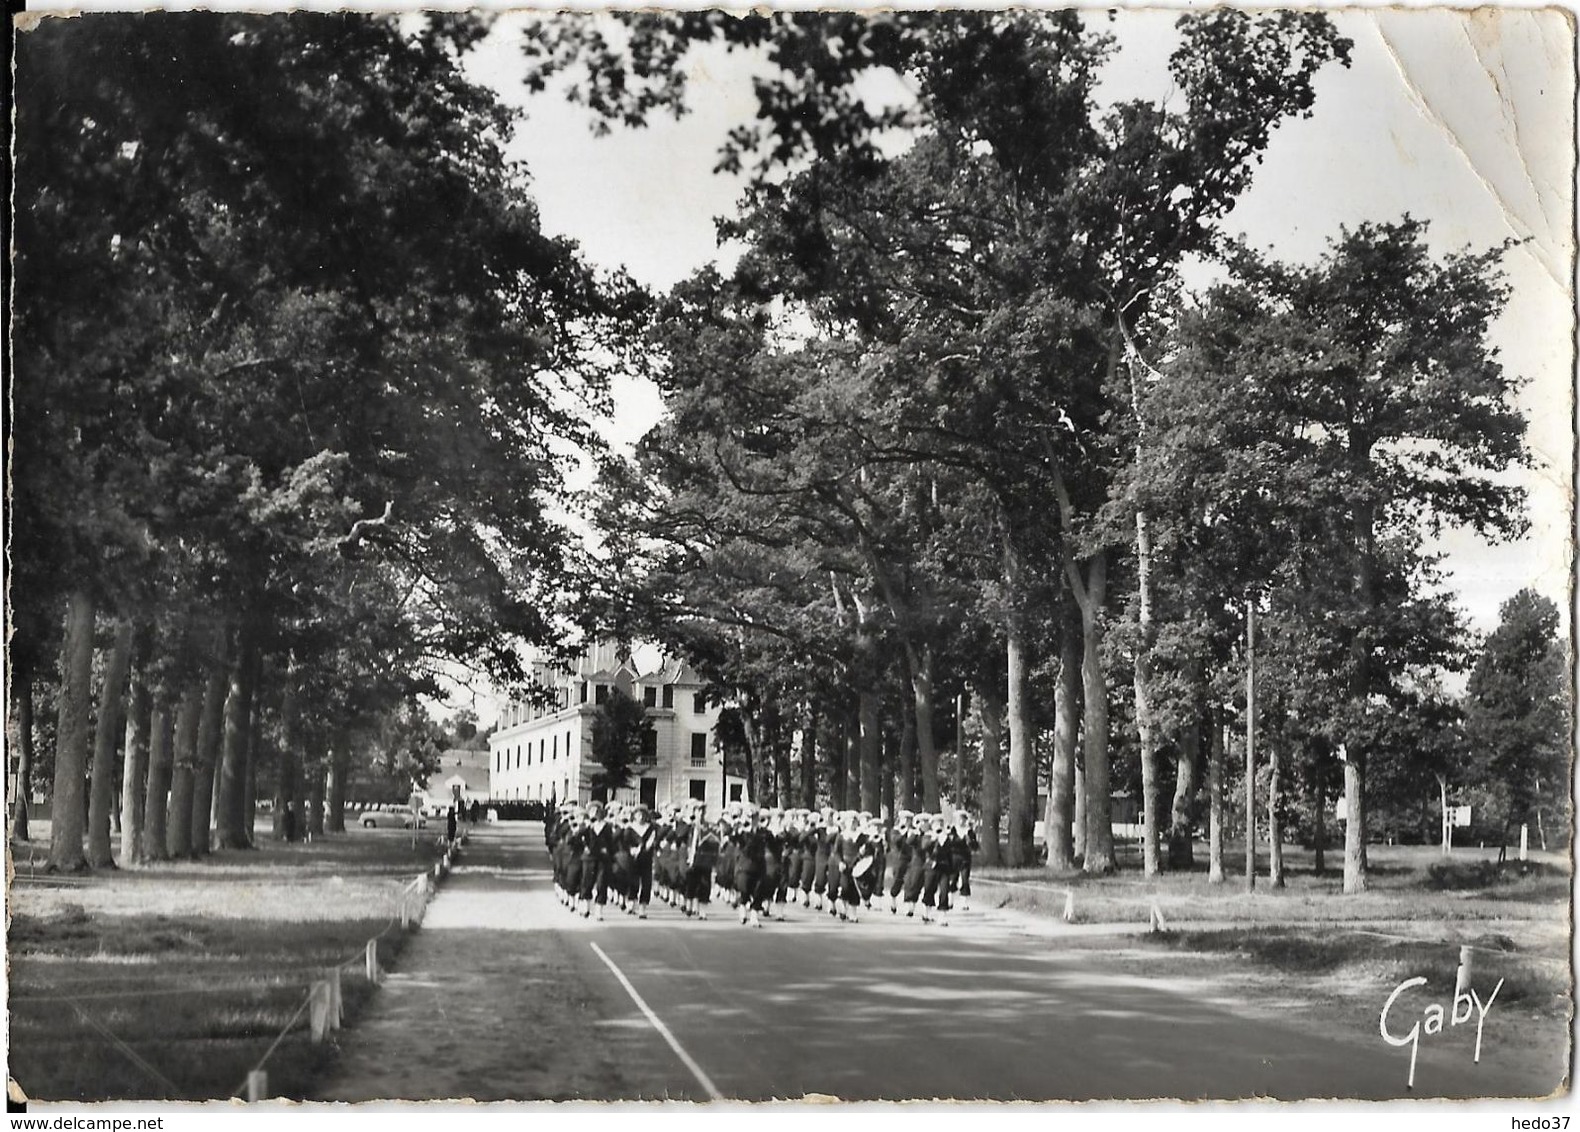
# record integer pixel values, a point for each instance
(1406, 883)
(171, 982)
(1332, 957)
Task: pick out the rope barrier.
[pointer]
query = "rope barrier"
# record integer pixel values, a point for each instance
(268, 1053)
(131, 1054)
(418, 884)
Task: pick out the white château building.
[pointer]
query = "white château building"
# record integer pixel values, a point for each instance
(539, 753)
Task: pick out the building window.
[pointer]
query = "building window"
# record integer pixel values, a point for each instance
(699, 789)
(699, 703)
(735, 791)
(518, 758)
(600, 693)
(584, 691)
(650, 746)
(649, 697)
(699, 750)
(669, 695)
(554, 751)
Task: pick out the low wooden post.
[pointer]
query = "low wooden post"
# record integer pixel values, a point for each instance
(372, 960)
(258, 1085)
(1069, 907)
(1462, 975)
(405, 910)
(318, 1012)
(336, 1003)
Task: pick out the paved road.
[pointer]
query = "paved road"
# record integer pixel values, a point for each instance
(504, 995)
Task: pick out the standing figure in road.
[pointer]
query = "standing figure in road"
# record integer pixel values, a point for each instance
(751, 866)
(621, 875)
(939, 852)
(597, 856)
(966, 846)
(702, 853)
(574, 839)
(641, 848)
(851, 851)
(902, 841)
(824, 872)
(916, 870)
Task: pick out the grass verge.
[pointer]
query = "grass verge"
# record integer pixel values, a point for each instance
(171, 983)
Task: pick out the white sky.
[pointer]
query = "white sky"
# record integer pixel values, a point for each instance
(1463, 118)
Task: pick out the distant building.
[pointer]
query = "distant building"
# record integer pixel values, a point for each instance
(460, 769)
(539, 753)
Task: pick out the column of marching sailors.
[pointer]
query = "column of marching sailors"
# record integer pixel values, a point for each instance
(758, 861)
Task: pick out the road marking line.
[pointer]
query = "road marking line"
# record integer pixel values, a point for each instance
(663, 1031)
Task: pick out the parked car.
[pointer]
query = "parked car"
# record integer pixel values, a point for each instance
(391, 819)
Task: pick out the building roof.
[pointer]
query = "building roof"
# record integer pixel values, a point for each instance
(471, 766)
(673, 671)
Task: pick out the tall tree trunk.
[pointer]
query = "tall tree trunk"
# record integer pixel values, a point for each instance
(107, 729)
(1360, 690)
(1063, 793)
(809, 761)
(908, 761)
(1250, 746)
(1215, 757)
(1020, 848)
(231, 797)
(886, 764)
(836, 768)
(134, 762)
(178, 828)
(21, 722)
(1182, 854)
(1319, 827)
(339, 771)
(151, 846)
(784, 782)
(315, 799)
(921, 665)
(1275, 832)
(1146, 725)
(1094, 687)
(67, 813)
(1078, 829)
(249, 793)
(990, 716)
(853, 760)
(285, 781)
(871, 790)
(306, 769)
(211, 729)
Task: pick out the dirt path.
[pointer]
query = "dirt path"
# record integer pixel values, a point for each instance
(487, 1005)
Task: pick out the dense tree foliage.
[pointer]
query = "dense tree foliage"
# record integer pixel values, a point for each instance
(294, 357)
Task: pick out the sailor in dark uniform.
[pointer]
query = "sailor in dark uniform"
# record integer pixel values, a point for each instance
(966, 846)
(939, 850)
(916, 868)
(752, 882)
(575, 838)
(824, 873)
(702, 852)
(642, 845)
(901, 843)
(598, 843)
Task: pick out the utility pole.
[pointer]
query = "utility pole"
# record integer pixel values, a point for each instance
(1250, 745)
